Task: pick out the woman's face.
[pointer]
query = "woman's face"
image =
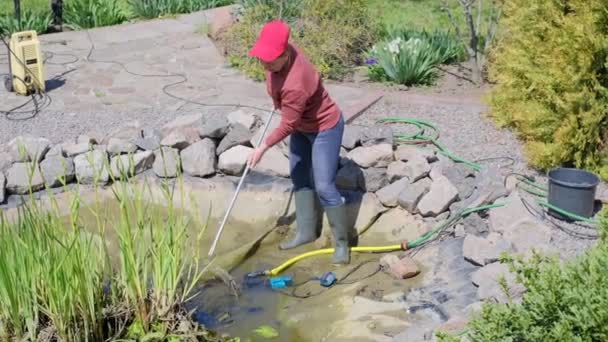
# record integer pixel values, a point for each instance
(278, 64)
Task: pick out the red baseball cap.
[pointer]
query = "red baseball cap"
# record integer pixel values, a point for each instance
(272, 41)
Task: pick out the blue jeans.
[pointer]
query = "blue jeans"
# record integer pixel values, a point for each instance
(314, 160)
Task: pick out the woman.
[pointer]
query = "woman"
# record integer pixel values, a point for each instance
(315, 125)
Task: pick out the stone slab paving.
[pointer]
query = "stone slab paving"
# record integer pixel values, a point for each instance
(90, 91)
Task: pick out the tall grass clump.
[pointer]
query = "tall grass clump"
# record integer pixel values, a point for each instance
(125, 272)
(84, 14)
(564, 302)
(334, 34)
(550, 69)
(411, 57)
(38, 21)
(157, 8)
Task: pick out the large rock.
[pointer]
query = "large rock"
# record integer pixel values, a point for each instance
(234, 161)
(90, 166)
(396, 225)
(351, 137)
(488, 280)
(28, 148)
(238, 135)
(130, 165)
(130, 131)
(199, 160)
(474, 224)
(372, 156)
(389, 195)
(511, 214)
(23, 177)
(441, 194)
(181, 122)
(181, 138)
(55, 150)
(274, 163)
(397, 170)
(240, 117)
(152, 138)
(463, 179)
(214, 126)
(6, 160)
(72, 150)
(57, 170)
(365, 211)
(482, 251)
(91, 138)
(527, 236)
(376, 135)
(374, 179)
(349, 177)
(409, 152)
(2, 187)
(120, 146)
(410, 196)
(166, 162)
(417, 168)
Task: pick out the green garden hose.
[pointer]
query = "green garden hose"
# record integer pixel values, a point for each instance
(421, 136)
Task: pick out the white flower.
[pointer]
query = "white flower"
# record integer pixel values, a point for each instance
(395, 45)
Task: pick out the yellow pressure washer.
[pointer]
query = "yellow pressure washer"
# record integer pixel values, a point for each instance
(26, 73)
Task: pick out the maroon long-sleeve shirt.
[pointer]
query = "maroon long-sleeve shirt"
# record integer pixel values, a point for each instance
(298, 92)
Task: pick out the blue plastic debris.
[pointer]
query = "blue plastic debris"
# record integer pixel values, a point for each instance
(328, 279)
(281, 282)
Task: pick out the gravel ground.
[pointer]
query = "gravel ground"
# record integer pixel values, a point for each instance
(467, 132)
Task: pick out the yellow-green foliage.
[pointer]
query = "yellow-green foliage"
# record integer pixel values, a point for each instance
(333, 34)
(551, 71)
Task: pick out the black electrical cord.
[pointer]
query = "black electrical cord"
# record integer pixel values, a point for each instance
(293, 293)
(182, 79)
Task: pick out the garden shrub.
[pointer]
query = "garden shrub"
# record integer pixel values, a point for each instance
(411, 57)
(334, 34)
(550, 67)
(30, 20)
(83, 14)
(564, 302)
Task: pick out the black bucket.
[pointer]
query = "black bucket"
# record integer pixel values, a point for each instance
(572, 190)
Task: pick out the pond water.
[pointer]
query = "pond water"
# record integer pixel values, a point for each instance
(318, 314)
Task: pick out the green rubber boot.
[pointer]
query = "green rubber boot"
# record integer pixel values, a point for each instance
(306, 219)
(339, 227)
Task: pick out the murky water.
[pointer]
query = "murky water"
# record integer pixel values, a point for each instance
(305, 312)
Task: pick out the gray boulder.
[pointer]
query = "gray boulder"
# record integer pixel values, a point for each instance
(130, 131)
(181, 138)
(57, 170)
(389, 195)
(6, 160)
(199, 159)
(214, 126)
(372, 156)
(72, 150)
(441, 194)
(397, 170)
(410, 196)
(349, 177)
(131, 164)
(238, 135)
(2, 188)
(23, 177)
(179, 123)
(28, 148)
(234, 161)
(482, 251)
(118, 146)
(166, 162)
(409, 152)
(352, 136)
(274, 163)
(376, 135)
(374, 179)
(417, 168)
(488, 280)
(240, 117)
(92, 165)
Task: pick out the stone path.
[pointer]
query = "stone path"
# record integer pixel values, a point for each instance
(88, 93)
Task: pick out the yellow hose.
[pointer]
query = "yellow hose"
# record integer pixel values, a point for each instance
(372, 249)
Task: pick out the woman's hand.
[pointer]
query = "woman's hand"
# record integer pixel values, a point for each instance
(256, 155)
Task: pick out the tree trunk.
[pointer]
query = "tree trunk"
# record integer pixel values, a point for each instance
(18, 12)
